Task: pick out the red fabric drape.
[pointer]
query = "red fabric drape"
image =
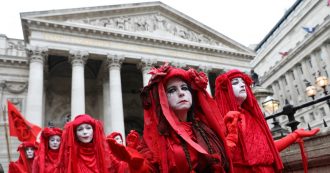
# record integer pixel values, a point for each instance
(77, 157)
(20, 127)
(226, 102)
(160, 120)
(23, 164)
(46, 158)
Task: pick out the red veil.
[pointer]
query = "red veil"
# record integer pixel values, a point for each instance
(47, 157)
(23, 164)
(74, 153)
(226, 101)
(158, 117)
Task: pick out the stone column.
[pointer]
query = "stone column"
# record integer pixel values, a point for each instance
(326, 57)
(206, 70)
(300, 83)
(106, 103)
(78, 60)
(292, 92)
(145, 66)
(116, 100)
(34, 108)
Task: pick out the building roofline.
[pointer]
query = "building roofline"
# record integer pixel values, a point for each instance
(278, 24)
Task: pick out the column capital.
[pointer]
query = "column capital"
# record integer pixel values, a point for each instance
(36, 54)
(77, 57)
(146, 63)
(115, 61)
(179, 64)
(205, 68)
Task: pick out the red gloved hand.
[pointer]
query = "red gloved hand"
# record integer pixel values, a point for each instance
(297, 135)
(303, 133)
(231, 119)
(119, 150)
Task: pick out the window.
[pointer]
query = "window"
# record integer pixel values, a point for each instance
(311, 116)
(310, 62)
(285, 81)
(300, 69)
(302, 119)
(297, 89)
(292, 75)
(322, 112)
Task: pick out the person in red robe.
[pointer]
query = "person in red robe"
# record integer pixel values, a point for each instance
(122, 165)
(49, 146)
(26, 156)
(251, 144)
(84, 149)
(181, 130)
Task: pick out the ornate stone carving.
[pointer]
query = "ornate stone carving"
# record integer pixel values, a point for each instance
(146, 64)
(15, 86)
(152, 24)
(17, 45)
(115, 61)
(206, 69)
(36, 54)
(78, 57)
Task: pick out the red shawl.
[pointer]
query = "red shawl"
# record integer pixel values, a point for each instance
(77, 157)
(47, 157)
(226, 101)
(23, 164)
(157, 122)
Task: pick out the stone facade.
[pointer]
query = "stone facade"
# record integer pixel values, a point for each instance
(296, 51)
(95, 60)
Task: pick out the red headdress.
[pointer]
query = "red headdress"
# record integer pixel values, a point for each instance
(133, 139)
(46, 157)
(159, 118)
(114, 134)
(72, 149)
(23, 164)
(225, 98)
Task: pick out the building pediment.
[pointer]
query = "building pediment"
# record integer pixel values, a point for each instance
(150, 20)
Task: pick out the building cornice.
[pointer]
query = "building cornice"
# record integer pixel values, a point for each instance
(127, 36)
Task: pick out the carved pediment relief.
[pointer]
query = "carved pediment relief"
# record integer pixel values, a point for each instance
(154, 25)
(16, 87)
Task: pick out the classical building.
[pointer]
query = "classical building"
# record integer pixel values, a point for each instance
(293, 54)
(95, 60)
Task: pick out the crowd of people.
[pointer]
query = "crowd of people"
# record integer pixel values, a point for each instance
(185, 130)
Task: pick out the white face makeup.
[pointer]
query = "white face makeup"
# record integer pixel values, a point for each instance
(118, 139)
(54, 142)
(239, 89)
(84, 133)
(178, 95)
(29, 151)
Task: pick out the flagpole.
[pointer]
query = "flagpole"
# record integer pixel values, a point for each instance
(6, 133)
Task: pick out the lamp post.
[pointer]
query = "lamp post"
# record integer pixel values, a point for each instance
(323, 82)
(271, 106)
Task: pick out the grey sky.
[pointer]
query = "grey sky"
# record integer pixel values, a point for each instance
(246, 22)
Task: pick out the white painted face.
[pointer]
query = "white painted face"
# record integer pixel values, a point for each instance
(54, 142)
(178, 95)
(29, 151)
(84, 133)
(239, 89)
(118, 139)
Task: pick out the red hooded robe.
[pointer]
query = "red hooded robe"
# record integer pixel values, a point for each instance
(167, 141)
(46, 158)
(23, 164)
(256, 151)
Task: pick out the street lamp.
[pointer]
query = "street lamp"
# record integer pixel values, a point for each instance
(271, 106)
(310, 90)
(322, 82)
